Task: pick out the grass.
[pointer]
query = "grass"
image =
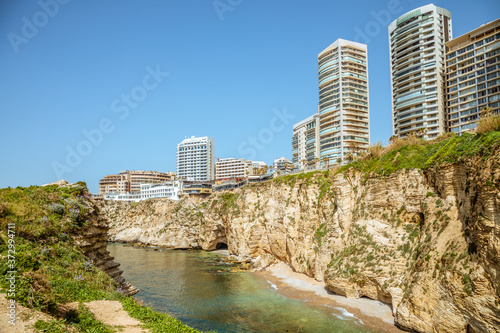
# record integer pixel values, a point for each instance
(488, 122)
(320, 233)
(228, 203)
(155, 321)
(80, 319)
(51, 267)
(420, 154)
(413, 152)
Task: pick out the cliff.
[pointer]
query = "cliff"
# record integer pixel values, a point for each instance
(93, 243)
(424, 238)
(56, 273)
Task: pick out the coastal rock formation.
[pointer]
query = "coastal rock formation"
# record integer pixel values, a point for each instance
(427, 242)
(93, 243)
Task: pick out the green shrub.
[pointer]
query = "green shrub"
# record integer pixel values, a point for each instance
(51, 268)
(488, 121)
(155, 321)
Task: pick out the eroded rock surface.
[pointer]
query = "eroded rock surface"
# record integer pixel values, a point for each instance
(426, 242)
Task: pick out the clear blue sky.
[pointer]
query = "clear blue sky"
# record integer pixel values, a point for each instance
(80, 66)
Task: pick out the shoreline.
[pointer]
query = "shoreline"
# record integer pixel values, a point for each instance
(373, 314)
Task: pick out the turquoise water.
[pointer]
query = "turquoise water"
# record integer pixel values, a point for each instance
(198, 289)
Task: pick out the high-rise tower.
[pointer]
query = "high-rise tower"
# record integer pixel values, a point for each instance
(195, 159)
(343, 100)
(417, 51)
(473, 76)
(305, 145)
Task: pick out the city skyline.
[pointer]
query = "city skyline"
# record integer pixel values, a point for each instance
(126, 88)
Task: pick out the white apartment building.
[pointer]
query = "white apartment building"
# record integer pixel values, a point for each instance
(195, 159)
(417, 54)
(283, 164)
(129, 181)
(473, 76)
(344, 123)
(230, 168)
(305, 142)
(130, 197)
(258, 164)
(170, 190)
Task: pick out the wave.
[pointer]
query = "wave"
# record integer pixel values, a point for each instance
(346, 315)
(272, 285)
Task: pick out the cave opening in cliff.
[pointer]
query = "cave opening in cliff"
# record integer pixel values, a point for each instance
(221, 246)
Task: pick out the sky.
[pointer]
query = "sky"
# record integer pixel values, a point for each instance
(89, 88)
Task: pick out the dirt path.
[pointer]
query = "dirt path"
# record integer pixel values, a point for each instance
(25, 318)
(107, 312)
(112, 313)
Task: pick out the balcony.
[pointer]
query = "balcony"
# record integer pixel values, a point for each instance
(329, 109)
(331, 62)
(329, 130)
(331, 78)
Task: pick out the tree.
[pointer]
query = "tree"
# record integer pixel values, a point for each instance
(304, 161)
(316, 160)
(326, 160)
(421, 133)
(354, 146)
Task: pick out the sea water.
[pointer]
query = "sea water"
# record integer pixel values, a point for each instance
(199, 289)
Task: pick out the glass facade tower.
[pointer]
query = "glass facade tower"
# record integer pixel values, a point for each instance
(343, 101)
(417, 51)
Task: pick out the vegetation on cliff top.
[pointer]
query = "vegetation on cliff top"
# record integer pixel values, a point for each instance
(420, 154)
(51, 268)
(411, 152)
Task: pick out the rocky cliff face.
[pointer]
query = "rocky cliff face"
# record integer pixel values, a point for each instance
(93, 243)
(426, 242)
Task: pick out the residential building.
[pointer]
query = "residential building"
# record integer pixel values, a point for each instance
(258, 168)
(472, 76)
(231, 168)
(305, 142)
(129, 181)
(283, 164)
(197, 188)
(343, 101)
(195, 159)
(170, 190)
(260, 178)
(417, 51)
(130, 197)
(230, 185)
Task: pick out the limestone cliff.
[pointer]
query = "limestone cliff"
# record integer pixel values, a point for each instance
(425, 241)
(93, 243)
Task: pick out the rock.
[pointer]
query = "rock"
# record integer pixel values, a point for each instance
(427, 242)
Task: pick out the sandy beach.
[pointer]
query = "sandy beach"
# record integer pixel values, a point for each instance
(298, 286)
